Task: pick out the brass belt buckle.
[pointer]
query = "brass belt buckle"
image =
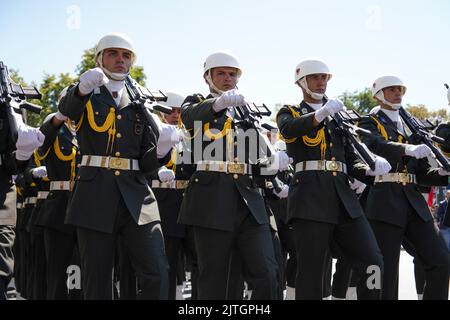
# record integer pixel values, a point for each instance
(118, 163)
(404, 178)
(238, 168)
(332, 166)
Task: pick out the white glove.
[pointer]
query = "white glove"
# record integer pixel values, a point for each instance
(283, 193)
(420, 151)
(443, 172)
(358, 186)
(28, 140)
(39, 172)
(280, 161)
(91, 80)
(166, 175)
(382, 167)
(170, 133)
(330, 108)
(231, 98)
(169, 136)
(60, 116)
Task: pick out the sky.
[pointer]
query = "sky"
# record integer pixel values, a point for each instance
(359, 40)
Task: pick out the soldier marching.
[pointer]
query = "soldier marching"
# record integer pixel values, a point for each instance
(211, 191)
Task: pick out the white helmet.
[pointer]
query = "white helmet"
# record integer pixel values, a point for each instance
(308, 67)
(387, 81)
(114, 40)
(220, 59)
(62, 94)
(49, 116)
(174, 100)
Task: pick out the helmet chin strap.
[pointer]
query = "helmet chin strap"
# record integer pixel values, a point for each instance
(112, 75)
(380, 96)
(314, 95)
(212, 85)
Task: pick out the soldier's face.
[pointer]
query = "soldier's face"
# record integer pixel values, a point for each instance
(117, 60)
(317, 82)
(393, 94)
(224, 78)
(172, 118)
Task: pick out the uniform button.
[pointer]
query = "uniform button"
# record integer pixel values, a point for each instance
(78, 165)
(96, 113)
(78, 177)
(235, 144)
(196, 179)
(390, 137)
(78, 152)
(215, 120)
(297, 180)
(333, 159)
(331, 144)
(119, 135)
(335, 174)
(236, 159)
(235, 176)
(117, 154)
(117, 173)
(119, 117)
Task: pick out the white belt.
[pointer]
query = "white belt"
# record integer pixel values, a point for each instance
(61, 185)
(110, 163)
(42, 195)
(397, 177)
(176, 184)
(30, 200)
(225, 167)
(321, 165)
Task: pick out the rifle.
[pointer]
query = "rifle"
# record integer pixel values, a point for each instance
(145, 98)
(419, 130)
(345, 125)
(249, 117)
(13, 98)
(147, 102)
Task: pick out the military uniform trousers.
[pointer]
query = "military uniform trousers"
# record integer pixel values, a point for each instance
(143, 243)
(59, 250)
(38, 264)
(7, 235)
(178, 239)
(254, 245)
(316, 242)
(286, 237)
(428, 247)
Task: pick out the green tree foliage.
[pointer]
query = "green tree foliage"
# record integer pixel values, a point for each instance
(50, 89)
(361, 101)
(15, 76)
(419, 111)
